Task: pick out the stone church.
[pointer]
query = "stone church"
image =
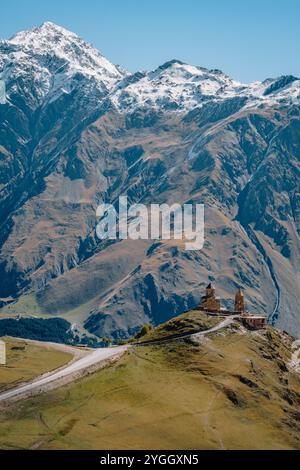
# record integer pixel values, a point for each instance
(211, 304)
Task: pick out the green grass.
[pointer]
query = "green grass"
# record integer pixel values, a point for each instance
(190, 322)
(26, 360)
(28, 306)
(226, 393)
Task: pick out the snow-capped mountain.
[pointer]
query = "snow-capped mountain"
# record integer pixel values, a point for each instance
(76, 130)
(182, 87)
(174, 85)
(57, 69)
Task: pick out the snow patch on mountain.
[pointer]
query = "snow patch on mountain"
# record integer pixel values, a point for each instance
(181, 87)
(70, 49)
(288, 94)
(175, 86)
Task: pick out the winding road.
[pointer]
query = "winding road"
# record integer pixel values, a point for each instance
(96, 358)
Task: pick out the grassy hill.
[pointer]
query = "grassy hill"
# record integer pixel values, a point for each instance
(187, 323)
(232, 390)
(26, 360)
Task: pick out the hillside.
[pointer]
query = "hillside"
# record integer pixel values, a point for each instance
(230, 390)
(76, 131)
(28, 359)
(185, 324)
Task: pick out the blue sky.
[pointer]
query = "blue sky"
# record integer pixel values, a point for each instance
(249, 40)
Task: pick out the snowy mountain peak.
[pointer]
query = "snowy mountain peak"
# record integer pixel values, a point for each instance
(46, 30)
(51, 39)
(55, 62)
(178, 86)
(174, 85)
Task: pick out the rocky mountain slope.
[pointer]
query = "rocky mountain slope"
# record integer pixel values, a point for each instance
(76, 130)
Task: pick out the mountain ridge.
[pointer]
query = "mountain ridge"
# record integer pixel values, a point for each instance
(180, 133)
(37, 40)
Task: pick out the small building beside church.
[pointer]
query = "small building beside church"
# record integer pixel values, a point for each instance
(254, 322)
(2, 353)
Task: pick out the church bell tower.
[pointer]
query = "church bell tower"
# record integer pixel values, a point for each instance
(239, 304)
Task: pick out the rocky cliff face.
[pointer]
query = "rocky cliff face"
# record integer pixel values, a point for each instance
(76, 130)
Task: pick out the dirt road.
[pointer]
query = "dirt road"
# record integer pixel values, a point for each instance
(72, 370)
